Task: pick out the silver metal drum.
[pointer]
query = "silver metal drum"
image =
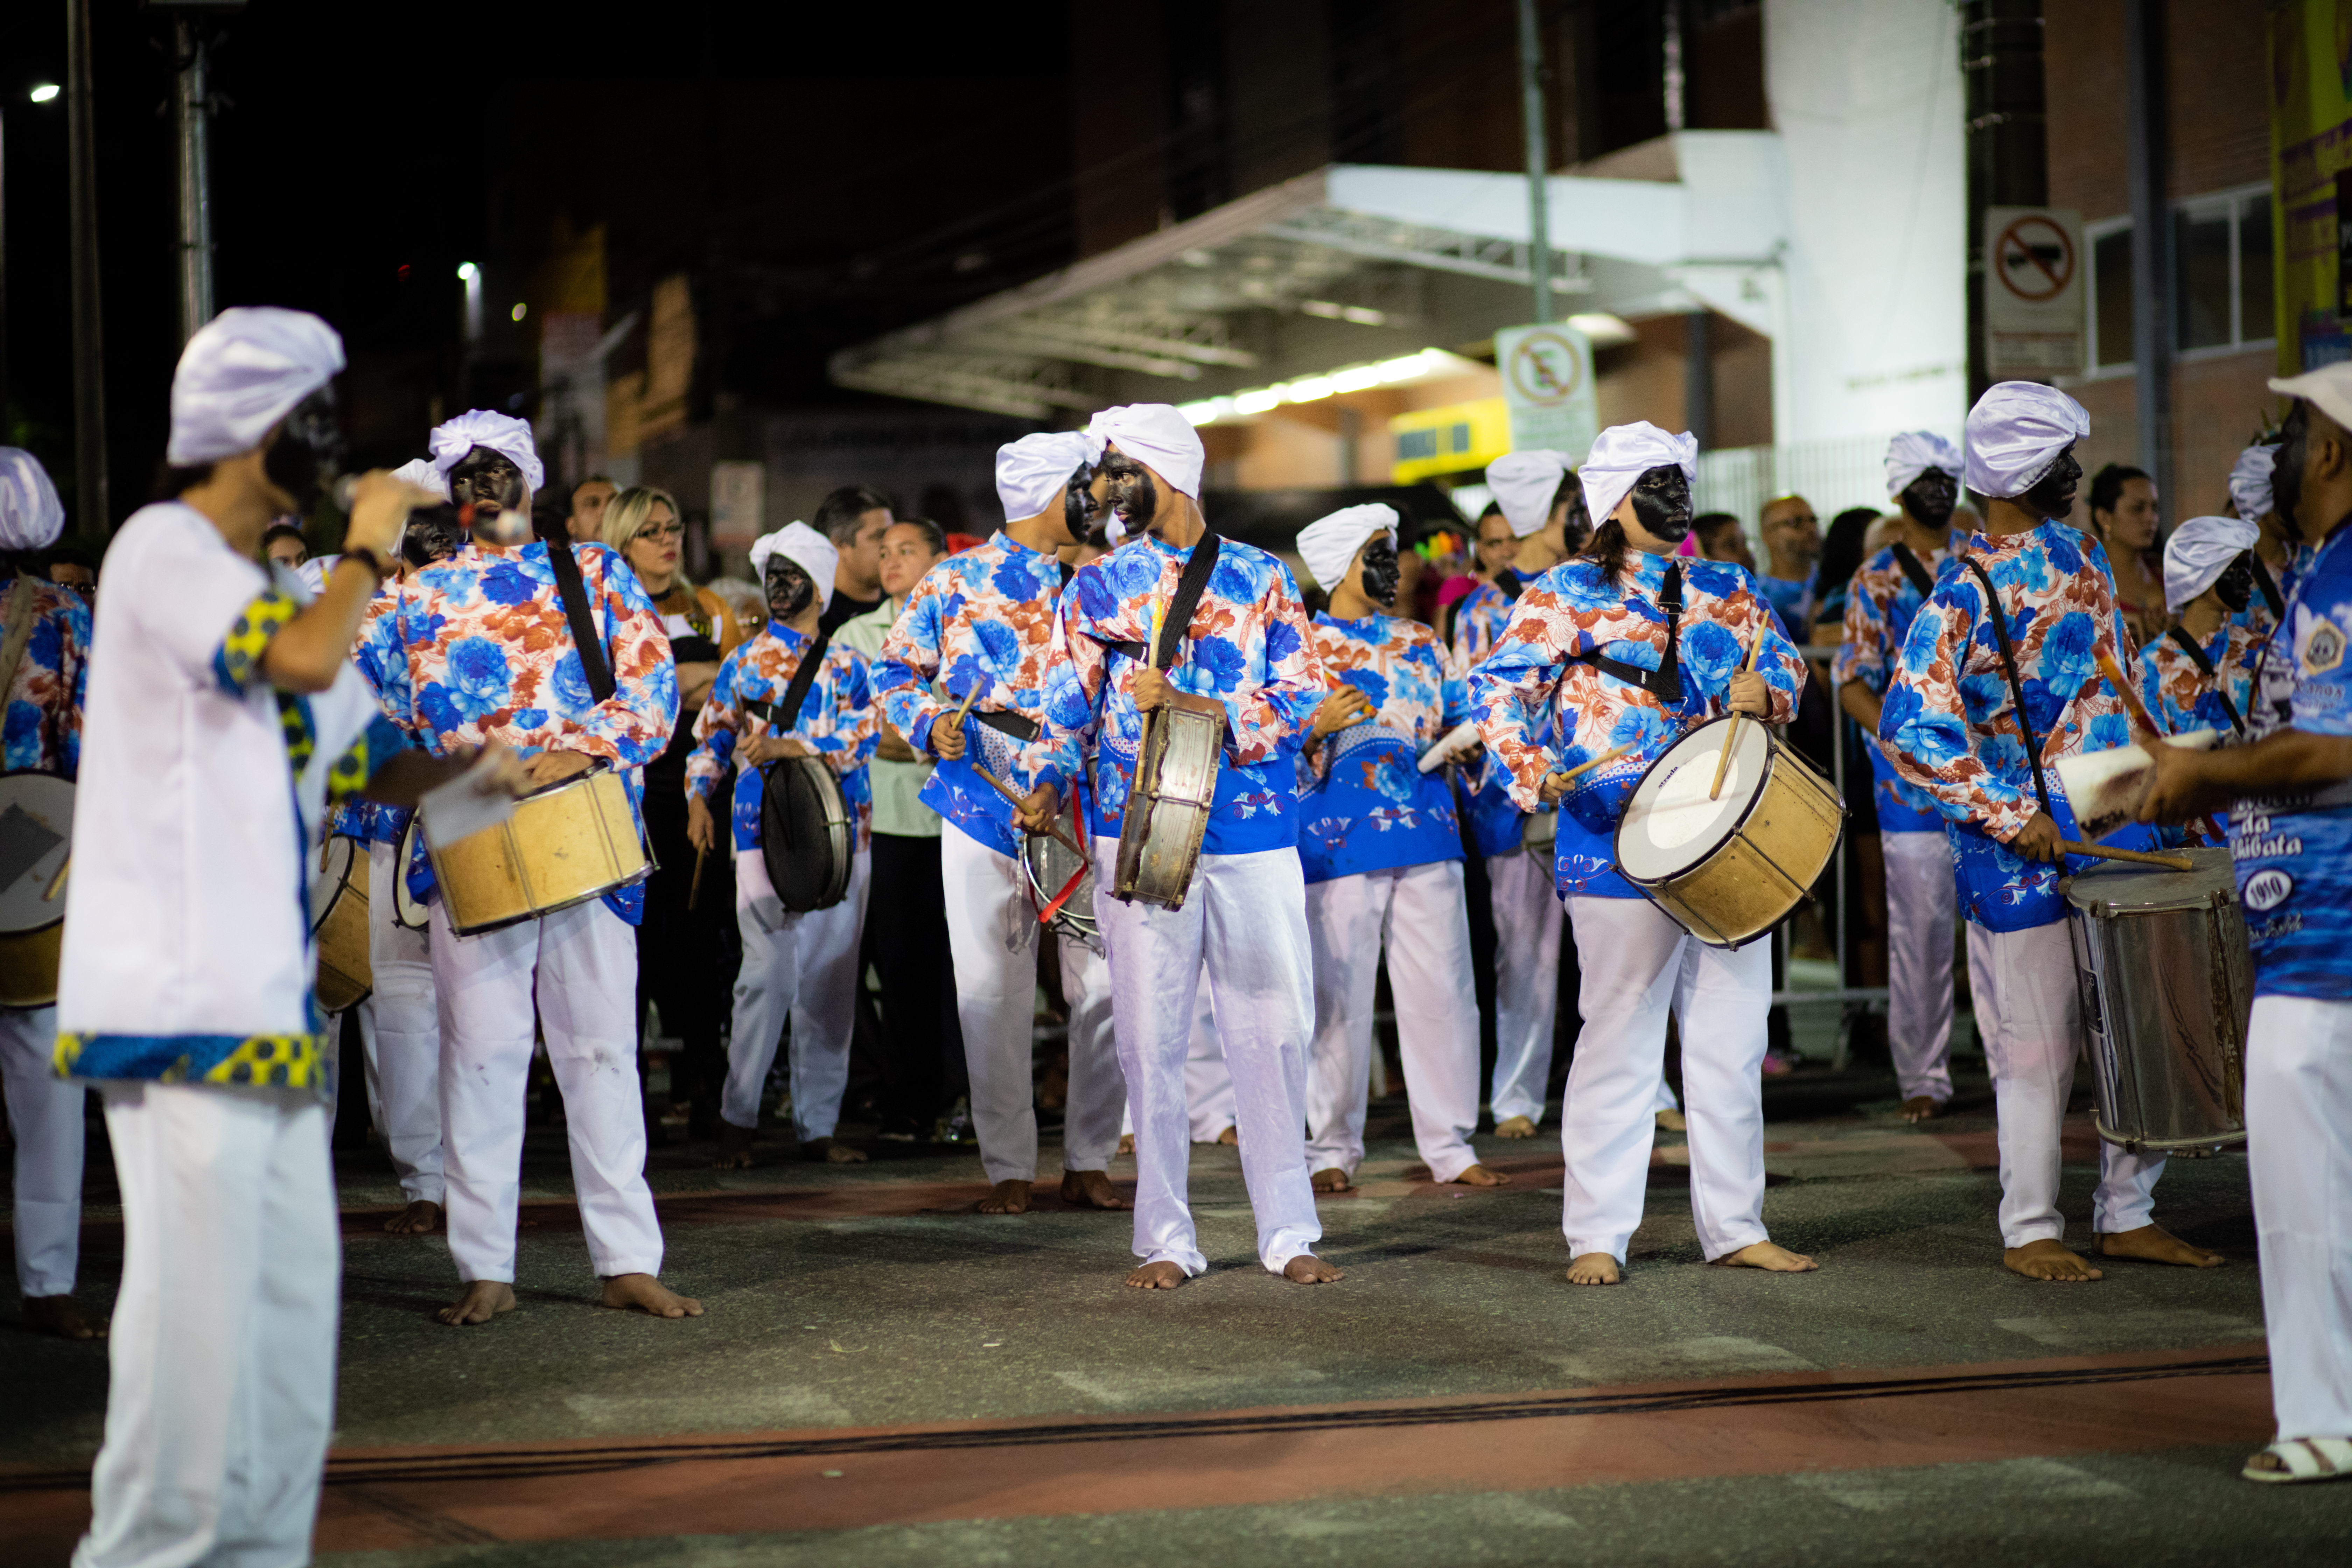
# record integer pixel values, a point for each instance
(1048, 864)
(2167, 988)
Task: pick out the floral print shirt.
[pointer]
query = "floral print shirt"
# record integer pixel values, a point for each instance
(981, 618)
(369, 821)
(1478, 623)
(42, 732)
(1364, 803)
(1496, 824)
(476, 648)
(2178, 697)
(1248, 645)
(837, 719)
(1880, 604)
(1574, 609)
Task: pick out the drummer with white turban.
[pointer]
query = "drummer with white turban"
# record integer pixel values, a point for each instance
(2280, 558)
(798, 965)
(963, 676)
(2200, 674)
(1382, 849)
(1611, 659)
(1950, 722)
(1242, 655)
(1923, 476)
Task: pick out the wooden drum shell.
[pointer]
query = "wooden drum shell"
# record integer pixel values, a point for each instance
(28, 966)
(565, 844)
(345, 977)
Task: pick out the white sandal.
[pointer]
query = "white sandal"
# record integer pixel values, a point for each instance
(2306, 1459)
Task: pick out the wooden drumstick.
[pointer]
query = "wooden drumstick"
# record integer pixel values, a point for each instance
(2137, 856)
(2114, 678)
(59, 880)
(1731, 737)
(1053, 831)
(693, 889)
(1584, 768)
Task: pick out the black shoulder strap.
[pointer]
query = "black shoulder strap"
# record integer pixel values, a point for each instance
(2269, 586)
(1187, 598)
(1507, 581)
(2187, 644)
(1665, 682)
(1914, 568)
(575, 594)
(787, 713)
(2016, 687)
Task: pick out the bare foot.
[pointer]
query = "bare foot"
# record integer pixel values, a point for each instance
(1771, 1257)
(422, 1218)
(734, 1148)
(1673, 1121)
(1592, 1268)
(1006, 1197)
(2154, 1244)
(832, 1151)
(1331, 1179)
(643, 1293)
(1308, 1270)
(1479, 1176)
(1920, 1108)
(1126, 1142)
(483, 1299)
(1514, 1127)
(1231, 1138)
(1163, 1276)
(61, 1316)
(2051, 1259)
(1090, 1189)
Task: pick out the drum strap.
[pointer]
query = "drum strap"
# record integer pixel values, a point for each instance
(575, 594)
(2269, 586)
(1186, 599)
(1914, 568)
(2016, 687)
(2205, 667)
(20, 631)
(786, 713)
(1665, 682)
(1508, 583)
(1020, 726)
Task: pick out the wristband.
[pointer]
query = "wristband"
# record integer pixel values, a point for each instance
(371, 561)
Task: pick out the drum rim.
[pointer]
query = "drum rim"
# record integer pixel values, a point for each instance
(1122, 859)
(403, 850)
(70, 786)
(1772, 751)
(631, 880)
(840, 827)
(2118, 872)
(343, 884)
(1040, 895)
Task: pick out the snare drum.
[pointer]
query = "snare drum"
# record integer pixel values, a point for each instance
(339, 924)
(567, 843)
(1168, 810)
(36, 843)
(2168, 988)
(1048, 865)
(1732, 868)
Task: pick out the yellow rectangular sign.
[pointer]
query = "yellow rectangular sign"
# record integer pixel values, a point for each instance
(1453, 439)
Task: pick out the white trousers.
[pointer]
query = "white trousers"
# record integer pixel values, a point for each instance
(1921, 904)
(1208, 1083)
(1637, 963)
(580, 966)
(804, 966)
(992, 934)
(45, 1117)
(1245, 920)
(401, 1025)
(1527, 982)
(1417, 913)
(2029, 1014)
(221, 1386)
(2299, 1144)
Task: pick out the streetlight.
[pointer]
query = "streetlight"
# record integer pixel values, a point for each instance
(46, 92)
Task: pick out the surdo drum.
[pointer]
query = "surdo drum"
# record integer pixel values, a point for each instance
(1048, 865)
(566, 843)
(339, 924)
(36, 842)
(807, 834)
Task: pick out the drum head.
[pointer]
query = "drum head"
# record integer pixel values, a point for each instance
(406, 910)
(35, 837)
(326, 869)
(1670, 826)
(2153, 888)
(805, 835)
(1049, 866)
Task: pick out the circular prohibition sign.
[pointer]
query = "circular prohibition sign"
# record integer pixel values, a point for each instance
(2034, 258)
(1544, 368)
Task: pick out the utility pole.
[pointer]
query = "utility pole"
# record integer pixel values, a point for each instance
(1531, 93)
(93, 515)
(2151, 238)
(2008, 160)
(192, 118)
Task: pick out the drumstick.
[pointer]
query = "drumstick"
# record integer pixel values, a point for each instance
(1731, 737)
(2114, 678)
(1581, 769)
(693, 889)
(1053, 831)
(2137, 857)
(59, 880)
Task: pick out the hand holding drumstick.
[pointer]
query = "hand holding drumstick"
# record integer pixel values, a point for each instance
(1556, 784)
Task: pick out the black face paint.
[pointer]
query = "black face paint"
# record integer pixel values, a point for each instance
(1930, 497)
(2287, 470)
(789, 589)
(1662, 503)
(1577, 529)
(2235, 586)
(433, 535)
(2053, 495)
(1381, 571)
(309, 450)
(1132, 494)
(1079, 507)
(486, 490)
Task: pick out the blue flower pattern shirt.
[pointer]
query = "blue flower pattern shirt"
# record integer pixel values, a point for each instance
(2178, 697)
(1364, 803)
(837, 721)
(43, 727)
(1879, 605)
(1495, 822)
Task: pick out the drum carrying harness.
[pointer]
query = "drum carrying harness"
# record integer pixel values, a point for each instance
(2205, 667)
(2016, 687)
(574, 594)
(1179, 621)
(786, 713)
(2269, 586)
(1913, 568)
(1665, 682)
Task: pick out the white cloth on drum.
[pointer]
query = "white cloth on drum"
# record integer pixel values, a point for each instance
(803, 546)
(2029, 1015)
(1033, 473)
(1158, 437)
(45, 1117)
(1328, 543)
(2249, 482)
(1912, 453)
(1921, 905)
(1631, 956)
(2298, 1104)
(580, 966)
(1244, 927)
(508, 437)
(241, 374)
(420, 472)
(1527, 982)
(31, 515)
(2199, 552)
(406, 1031)
(1417, 913)
(2015, 432)
(1623, 454)
(221, 1356)
(992, 936)
(804, 965)
(1524, 484)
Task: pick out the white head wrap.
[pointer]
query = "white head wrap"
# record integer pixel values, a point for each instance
(812, 552)
(2015, 431)
(1159, 437)
(1623, 454)
(2327, 389)
(2199, 551)
(504, 433)
(243, 372)
(2249, 482)
(1031, 473)
(420, 472)
(1524, 484)
(1327, 545)
(1912, 453)
(31, 516)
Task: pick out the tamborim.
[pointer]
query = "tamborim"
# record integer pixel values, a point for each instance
(1049, 865)
(2168, 988)
(807, 834)
(36, 843)
(1731, 868)
(339, 924)
(406, 910)
(573, 841)
(1168, 810)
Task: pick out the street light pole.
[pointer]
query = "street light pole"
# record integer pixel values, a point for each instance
(93, 513)
(1531, 93)
(191, 117)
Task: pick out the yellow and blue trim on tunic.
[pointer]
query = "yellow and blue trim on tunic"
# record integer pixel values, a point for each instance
(274, 1061)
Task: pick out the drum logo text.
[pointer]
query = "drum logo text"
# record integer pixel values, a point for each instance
(2267, 889)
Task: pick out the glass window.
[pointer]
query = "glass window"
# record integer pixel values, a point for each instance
(2256, 319)
(2111, 285)
(2200, 252)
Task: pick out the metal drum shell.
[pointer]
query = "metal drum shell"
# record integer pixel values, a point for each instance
(571, 842)
(339, 930)
(2167, 985)
(1041, 857)
(28, 957)
(836, 827)
(1176, 786)
(1765, 865)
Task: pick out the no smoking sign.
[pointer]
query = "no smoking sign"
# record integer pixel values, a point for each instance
(2033, 292)
(2034, 258)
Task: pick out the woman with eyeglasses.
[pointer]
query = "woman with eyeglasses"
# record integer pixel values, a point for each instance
(685, 955)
